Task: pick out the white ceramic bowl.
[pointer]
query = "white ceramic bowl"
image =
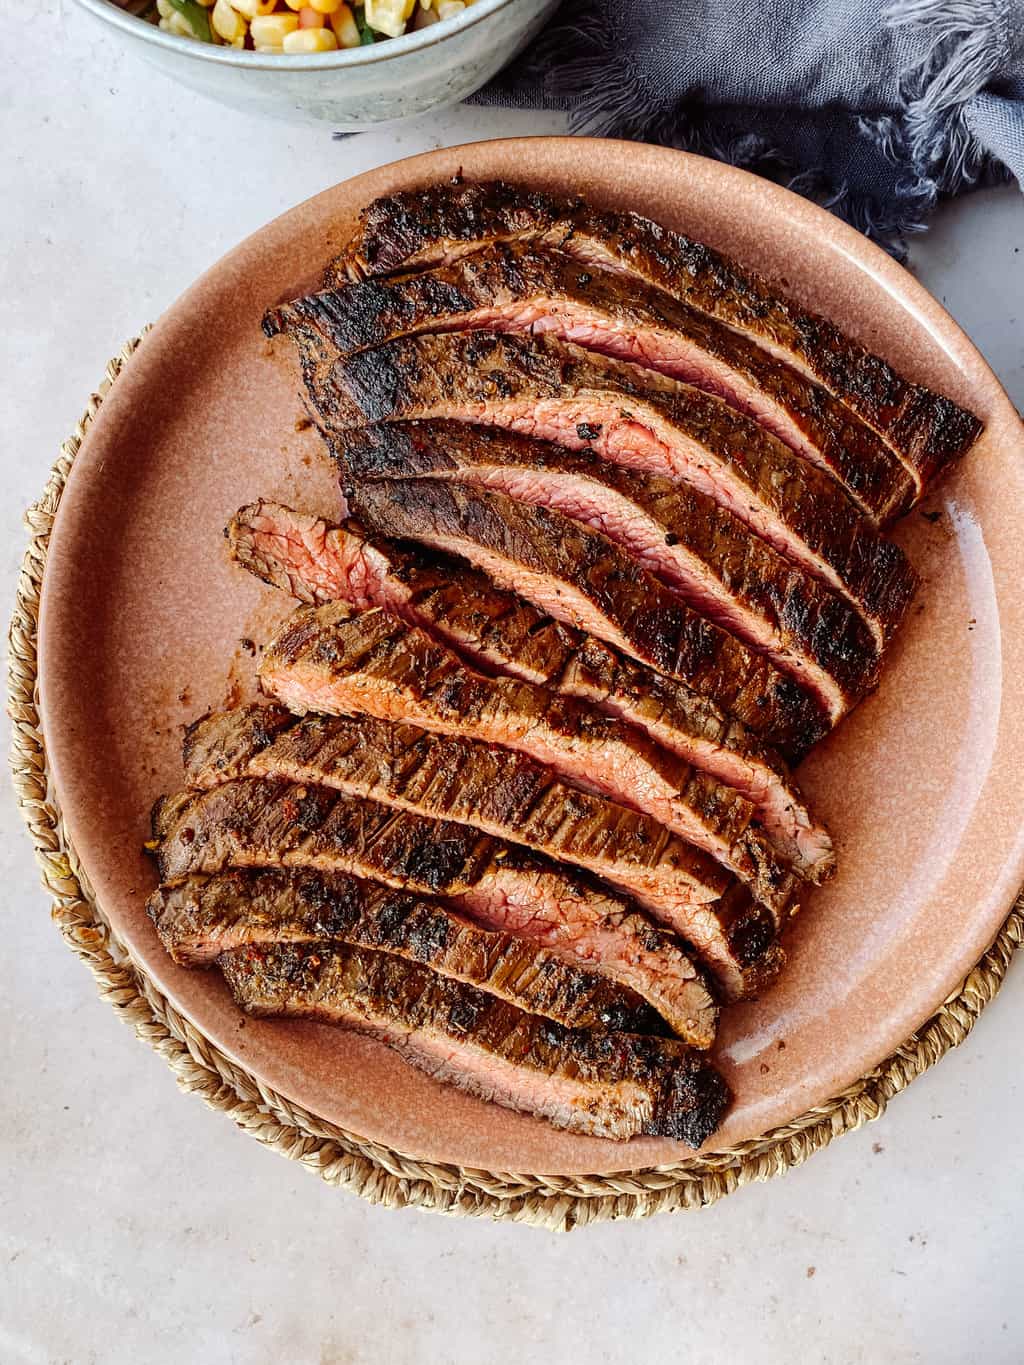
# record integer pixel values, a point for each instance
(393, 79)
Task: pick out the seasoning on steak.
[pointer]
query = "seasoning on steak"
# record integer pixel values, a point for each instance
(376, 665)
(318, 563)
(252, 822)
(633, 417)
(610, 1085)
(685, 539)
(490, 789)
(203, 917)
(513, 287)
(583, 579)
(439, 223)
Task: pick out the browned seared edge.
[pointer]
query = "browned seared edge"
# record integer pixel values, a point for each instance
(515, 287)
(205, 916)
(268, 823)
(318, 562)
(489, 789)
(439, 222)
(376, 665)
(585, 581)
(631, 416)
(703, 553)
(604, 1084)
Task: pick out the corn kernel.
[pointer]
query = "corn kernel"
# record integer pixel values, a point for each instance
(268, 30)
(207, 4)
(308, 18)
(310, 40)
(268, 47)
(164, 8)
(296, 5)
(389, 16)
(325, 6)
(227, 23)
(446, 8)
(344, 25)
(253, 8)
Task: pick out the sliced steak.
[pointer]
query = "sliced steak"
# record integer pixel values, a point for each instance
(441, 223)
(513, 287)
(632, 417)
(376, 665)
(318, 563)
(709, 557)
(610, 1085)
(203, 917)
(253, 822)
(493, 790)
(583, 579)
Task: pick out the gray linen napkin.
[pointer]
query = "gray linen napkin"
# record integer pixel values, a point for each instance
(873, 112)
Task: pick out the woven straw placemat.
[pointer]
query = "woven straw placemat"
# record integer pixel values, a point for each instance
(377, 1173)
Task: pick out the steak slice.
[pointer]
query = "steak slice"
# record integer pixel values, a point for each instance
(442, 222)
(610, 1085)
(513, 287)
(681, 536)
(375, 665)
(203, 917)
(632, 417)
(318, 563)
(583, 579)
(493, 790)
(252, 822)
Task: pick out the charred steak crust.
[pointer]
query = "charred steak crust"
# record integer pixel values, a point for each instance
(319, 563)
(583, 579)
(211, 749)
(376, 665)
(205, 916)
(420, 228)
(493, 791)
(497, 790)
(613, 1085)
(508, 286)
(254, 822)
(544, 388)
(704, 553)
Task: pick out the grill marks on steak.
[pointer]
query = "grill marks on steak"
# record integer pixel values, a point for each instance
(319, 563)
(255, 822)
(512, 287)
(496, 790)
(441, 223)
(490, 789)
(611, 1085)
(584, 580)
(632, 417)
(205, 916)
(375, 665)
(686, 539)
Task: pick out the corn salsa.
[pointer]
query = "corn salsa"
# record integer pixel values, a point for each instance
(293, 26)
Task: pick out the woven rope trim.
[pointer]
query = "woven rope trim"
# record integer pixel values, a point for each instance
(375, 1172)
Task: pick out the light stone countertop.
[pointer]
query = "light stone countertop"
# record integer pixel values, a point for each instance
(138, 1226)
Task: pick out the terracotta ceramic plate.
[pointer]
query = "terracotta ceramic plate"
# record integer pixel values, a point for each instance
(145, 622)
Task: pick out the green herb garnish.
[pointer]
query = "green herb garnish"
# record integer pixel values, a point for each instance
(366, 33)
(196, 17)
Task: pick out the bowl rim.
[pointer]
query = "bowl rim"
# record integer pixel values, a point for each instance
(111, 13)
